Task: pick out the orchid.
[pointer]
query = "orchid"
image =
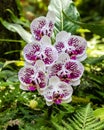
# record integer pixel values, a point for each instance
(33, 77)
(74, 46)
(26, 77)
(57, 92)
(42, 50)
(52, 70)
(42, 26)
(68, 70)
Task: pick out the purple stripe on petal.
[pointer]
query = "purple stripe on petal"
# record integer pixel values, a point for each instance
(55, 69)
(49, 55)
(59, 46)
(79, 45)
(41, 79)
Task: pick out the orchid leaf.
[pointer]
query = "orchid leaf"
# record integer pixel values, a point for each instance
(26, 36)
(62, 23)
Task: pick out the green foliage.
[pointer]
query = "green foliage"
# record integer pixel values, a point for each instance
(26, 36)
(62, 23)
(14, 103)
(96, 28)
(83, 119)
(94, 60)
(99, 113)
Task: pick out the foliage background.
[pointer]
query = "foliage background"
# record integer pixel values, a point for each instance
(26, 110)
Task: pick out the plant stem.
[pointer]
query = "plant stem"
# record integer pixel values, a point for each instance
(50, 108)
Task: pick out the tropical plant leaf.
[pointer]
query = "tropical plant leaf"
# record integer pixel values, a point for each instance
(16, 20)
(94, 60)
(96, 28)
(62, 22)
(99, 113)
(84, 119)
(26, 36)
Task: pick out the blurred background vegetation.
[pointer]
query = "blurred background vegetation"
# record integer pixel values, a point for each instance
(23, 110)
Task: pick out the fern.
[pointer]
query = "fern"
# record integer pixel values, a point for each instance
(83, 119)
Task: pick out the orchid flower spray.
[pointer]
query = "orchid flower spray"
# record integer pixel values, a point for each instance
(52, 67)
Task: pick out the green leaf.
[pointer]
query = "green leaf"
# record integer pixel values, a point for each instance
(96, 28)
(94, 60)
(26, 36)
(99, 113)
(84, 119)
(62, 22)
(15, 19)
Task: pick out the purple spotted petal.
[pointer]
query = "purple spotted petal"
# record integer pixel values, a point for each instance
(75, 68)
(26, 77)
(76, 47)
(60, 47)
(69, 71)
(57, 92)
(41, 80)
(49, 55)
(61, 41)
(55, 69)
(32, 52)
(41, 26)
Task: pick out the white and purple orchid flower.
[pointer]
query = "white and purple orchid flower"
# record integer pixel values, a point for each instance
(57, 92)
(52, 69)
(68, 70)
(43, 26)
(33, 77)
(42, 50)
(74, 46)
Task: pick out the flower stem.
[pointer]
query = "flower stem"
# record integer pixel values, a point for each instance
(50, 108)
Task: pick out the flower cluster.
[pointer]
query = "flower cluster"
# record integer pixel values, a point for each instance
(52, 70)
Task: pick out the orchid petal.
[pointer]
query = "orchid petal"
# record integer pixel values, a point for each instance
(76, 69)
(46, 41)
(39, 65)
(49, 55)
(57, 91)
(31, 52)
(63, 57)
(62, 36)
(26, 75)
(79, 45)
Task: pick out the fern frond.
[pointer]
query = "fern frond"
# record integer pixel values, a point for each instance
(84, 119)
(67, 126)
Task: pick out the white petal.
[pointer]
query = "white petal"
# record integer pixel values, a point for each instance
(45, 40)
(75, 83)
(63, 57)
(67, 100)
(62, 36)
(66, 89)
(82, 58)
(51, 16)
(54, 80)
(39, 65)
